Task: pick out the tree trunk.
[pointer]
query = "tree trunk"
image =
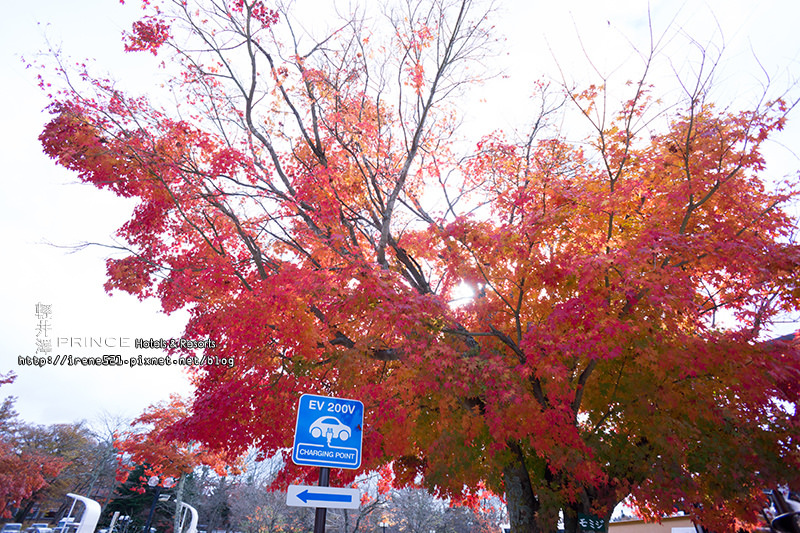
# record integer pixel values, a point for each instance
(522, 502)
(571, 519)
(176, 520)
(599, 496)
(24, 510)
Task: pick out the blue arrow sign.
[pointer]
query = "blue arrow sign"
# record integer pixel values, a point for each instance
(307, 496)
(328, 432)
(331, 497)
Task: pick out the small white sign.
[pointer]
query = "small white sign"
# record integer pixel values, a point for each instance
(329, 497)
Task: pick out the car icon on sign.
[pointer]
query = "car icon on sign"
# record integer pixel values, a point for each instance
(329, 427)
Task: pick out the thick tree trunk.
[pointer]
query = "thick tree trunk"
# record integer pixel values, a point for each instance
(522, 502)
(571, 518)
(603, 495)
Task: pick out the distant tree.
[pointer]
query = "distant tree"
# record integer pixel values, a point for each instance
(25, 471)
(88, 462)
(375, 500)
(216, 511)
(105, 428)
(305, 204)
(8, 416)
(414, 510)
(134, 497)
(254, 506)
(417, 511)
(257, 509)
(461, 519)
(147, 442)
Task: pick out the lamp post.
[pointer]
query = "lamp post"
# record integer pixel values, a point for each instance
(383, 524)
(154, 481)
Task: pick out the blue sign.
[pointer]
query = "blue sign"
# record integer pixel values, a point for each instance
(328, 432)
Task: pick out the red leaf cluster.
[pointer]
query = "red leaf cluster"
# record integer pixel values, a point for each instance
(147, 35)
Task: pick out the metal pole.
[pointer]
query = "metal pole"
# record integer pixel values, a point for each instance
(152, 509)
(322, 512)
(113, 522)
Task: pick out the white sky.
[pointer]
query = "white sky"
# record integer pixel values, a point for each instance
(43, 203)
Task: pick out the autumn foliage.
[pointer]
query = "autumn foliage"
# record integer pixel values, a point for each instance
(308, 209)
(23, 471)
(148, 444)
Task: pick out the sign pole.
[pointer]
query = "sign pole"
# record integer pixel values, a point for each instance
(322, 512)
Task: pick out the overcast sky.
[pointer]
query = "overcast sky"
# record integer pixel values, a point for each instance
(41, 203)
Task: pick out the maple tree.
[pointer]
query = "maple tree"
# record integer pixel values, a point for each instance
(306, 206)
(148, 456)
(24, 470)
(133, 502)
(86, 464)
(165, 457)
